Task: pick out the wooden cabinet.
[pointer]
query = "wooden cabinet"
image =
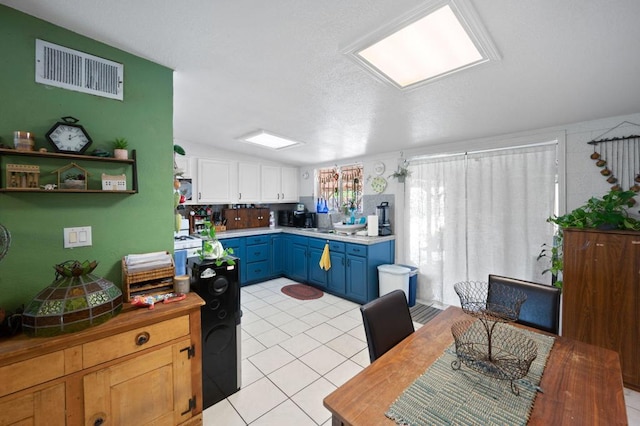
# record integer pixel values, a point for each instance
(236, 218)
(279, 184)
(143, 366)
(601, 291)
(246, 218)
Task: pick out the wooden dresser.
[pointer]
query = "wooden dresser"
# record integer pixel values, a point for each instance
(141, 367)
(601, 294)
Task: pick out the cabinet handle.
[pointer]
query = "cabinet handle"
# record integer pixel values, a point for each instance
(199, 196)
(283, 195)
(239, 195)
(348, 262)
(635, 242)
(142, 338)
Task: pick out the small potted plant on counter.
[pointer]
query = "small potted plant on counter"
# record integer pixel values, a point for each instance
(120, 148)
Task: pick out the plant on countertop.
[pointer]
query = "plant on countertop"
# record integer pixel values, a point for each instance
(606, 213)
(212, 247)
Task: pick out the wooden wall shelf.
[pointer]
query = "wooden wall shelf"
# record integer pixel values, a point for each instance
(72, 157)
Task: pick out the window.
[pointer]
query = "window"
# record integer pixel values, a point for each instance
(474, 214)
(340, 187)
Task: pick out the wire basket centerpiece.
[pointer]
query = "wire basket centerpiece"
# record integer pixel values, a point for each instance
(487, 345)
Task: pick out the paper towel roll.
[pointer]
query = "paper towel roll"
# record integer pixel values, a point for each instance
(372, 226)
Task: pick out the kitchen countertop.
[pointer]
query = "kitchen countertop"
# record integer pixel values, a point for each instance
(312, 232)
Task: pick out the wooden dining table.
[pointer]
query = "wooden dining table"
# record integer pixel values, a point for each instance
(581, 384)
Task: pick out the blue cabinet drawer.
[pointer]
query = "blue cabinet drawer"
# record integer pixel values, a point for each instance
(336, 246)
(257, 252)
(258, 239)
(257, 271)
(317, 243)
(357, 249)
(296, 239)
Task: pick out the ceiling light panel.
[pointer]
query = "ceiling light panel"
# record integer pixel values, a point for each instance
(269, 140)
(430, 43)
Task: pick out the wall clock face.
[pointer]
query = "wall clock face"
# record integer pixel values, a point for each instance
(68, 137)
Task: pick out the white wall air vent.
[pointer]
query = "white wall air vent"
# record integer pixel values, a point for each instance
(73, 70)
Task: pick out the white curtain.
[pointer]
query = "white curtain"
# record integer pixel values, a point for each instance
(471, 215)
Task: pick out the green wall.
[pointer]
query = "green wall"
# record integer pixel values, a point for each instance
(121, 224)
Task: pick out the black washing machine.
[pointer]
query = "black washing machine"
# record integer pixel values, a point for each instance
(219, 287)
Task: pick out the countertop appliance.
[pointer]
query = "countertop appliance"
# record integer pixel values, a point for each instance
(297, 219)
(384, 226)
(219, 287)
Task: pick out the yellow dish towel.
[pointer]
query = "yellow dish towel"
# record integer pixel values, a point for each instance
(325, 260)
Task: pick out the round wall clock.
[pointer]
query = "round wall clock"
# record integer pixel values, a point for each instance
(68, 137)
(378, 168)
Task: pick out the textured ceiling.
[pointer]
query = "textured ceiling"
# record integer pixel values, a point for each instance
(241, 65)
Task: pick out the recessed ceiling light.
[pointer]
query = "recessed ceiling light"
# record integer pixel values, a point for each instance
(435, 41)
(269, 140)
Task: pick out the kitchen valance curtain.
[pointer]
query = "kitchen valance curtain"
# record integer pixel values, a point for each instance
(475, 214)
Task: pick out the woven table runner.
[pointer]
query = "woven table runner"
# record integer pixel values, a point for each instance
(444, 396)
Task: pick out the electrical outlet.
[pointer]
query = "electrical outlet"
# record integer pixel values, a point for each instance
(77, 237)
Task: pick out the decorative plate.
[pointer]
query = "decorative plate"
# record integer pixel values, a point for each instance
(378, 168)
(378, 184)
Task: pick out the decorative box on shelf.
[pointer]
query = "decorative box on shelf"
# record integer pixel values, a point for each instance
(23, 176)
(114, 182)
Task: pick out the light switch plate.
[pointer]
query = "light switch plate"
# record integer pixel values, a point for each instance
(77, 237)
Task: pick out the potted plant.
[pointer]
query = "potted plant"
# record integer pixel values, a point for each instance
(212, 247)
(606, 213)
(401, 174)
(120, 148)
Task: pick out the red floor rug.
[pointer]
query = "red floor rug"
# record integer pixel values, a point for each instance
(302, 292)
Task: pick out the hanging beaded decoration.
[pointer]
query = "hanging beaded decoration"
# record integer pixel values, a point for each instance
(619, 160)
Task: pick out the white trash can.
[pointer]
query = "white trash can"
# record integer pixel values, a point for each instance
(393, 277)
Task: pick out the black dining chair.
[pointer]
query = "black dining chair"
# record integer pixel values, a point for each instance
(541, 310)
(386, 322)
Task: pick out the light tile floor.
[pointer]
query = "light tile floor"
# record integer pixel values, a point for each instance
(294, 353)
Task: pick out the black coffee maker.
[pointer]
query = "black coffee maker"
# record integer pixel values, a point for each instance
(384, 226)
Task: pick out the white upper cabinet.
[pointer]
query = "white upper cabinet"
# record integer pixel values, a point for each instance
(248, 183)
(289, 185)
(279, 184)
(217, 181)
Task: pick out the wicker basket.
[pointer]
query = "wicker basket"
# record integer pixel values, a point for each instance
(154, 281)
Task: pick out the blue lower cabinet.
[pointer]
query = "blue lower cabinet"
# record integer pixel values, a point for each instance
(258, 258)
(353, 273)
(317, 275)
(356, 278)
(257, 271)
(237, 244)
(337, 273)
(299, 259)
(278, 256)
